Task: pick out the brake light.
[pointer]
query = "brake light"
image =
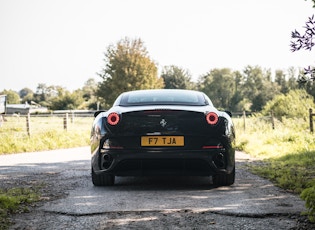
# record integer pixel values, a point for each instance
(113, 118)
(212, 118)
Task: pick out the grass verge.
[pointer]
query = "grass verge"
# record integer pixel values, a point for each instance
(46, 133)
(288, 153)
(15, 200)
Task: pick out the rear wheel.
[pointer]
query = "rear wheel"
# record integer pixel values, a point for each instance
(102, 179)
(224, 179)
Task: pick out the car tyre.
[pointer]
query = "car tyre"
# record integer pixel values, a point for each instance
(102, 179)
(224, 179)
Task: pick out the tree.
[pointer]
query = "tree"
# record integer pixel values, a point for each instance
(88, 92)
(26, 95)
(258, 87)
(305, 41)
(66, 100)
(89, 89)
(238, 102)
(281, 81)
(176, 78)
(127, 67)
(12, 96)
(292, 82)
(219, 85)
(44, 94)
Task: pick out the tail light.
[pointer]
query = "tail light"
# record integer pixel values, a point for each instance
(212, 118)
(113, 118)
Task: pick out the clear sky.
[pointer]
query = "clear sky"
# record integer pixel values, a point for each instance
(62, 42)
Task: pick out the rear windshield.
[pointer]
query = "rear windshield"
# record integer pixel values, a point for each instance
(163, 98)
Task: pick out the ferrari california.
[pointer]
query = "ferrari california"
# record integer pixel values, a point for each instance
(162, 132)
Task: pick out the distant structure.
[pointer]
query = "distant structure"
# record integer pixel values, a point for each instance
(25, 108)
(3, 103)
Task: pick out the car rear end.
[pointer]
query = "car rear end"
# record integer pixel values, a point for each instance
(164, 140)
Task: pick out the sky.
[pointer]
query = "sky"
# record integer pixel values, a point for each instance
(62, 42)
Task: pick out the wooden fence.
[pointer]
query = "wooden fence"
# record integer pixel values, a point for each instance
(272, 120)
(269, 118)
(34, 123)
(311, 120)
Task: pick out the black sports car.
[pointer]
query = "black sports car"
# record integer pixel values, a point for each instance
(162, 132)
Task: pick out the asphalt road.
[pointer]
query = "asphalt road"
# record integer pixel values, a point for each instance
(145, 203)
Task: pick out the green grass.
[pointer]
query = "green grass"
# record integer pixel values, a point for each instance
(288, 153)
(46, 133)
(15, 200)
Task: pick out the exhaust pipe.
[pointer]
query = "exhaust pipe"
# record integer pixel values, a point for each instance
(107, 161)
(219, 160)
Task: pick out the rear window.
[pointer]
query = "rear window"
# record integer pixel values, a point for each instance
(163, 98)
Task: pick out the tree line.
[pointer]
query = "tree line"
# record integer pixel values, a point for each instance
(128, 66)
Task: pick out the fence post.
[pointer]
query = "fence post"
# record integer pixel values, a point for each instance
(272, 120)
(311, 120)
(65, 122)
(72, 117)
(28, 124)
(244, 120)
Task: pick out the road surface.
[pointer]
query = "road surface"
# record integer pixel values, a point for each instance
(70, 201)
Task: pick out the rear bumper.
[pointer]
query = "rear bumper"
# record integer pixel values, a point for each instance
(166, 162)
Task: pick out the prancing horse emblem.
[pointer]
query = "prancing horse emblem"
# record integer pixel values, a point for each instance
(163, 123)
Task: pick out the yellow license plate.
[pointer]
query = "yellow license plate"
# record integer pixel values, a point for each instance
(162, 141)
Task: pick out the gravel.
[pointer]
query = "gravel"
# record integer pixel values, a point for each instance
(56, 183)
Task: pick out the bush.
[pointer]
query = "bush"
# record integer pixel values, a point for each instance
(294, 104)
(309, 196)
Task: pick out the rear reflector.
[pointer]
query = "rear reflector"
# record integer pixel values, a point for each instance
(212, 147)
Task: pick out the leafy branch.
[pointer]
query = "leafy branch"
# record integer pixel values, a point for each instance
(305, 41)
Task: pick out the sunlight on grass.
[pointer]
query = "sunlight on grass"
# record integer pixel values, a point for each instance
(288, 153)
(260, 140)
(46, 133)
(15, 200)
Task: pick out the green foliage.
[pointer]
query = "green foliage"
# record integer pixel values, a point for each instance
(66, 100)
(176, 78)
(14, 200)
(257, 86)
(44, 94)
(89, 95)
(294, 104)
(233, 90)
(58, 98)
(293, 171)
(127, 67)
(219, 85)
(309, 196)
(12, 96)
